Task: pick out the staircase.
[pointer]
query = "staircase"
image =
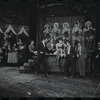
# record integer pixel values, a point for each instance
(28, 65)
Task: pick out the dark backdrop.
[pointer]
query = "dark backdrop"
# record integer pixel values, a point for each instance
(34, 13)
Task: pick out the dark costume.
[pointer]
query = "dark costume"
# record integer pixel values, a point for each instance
(41, 58)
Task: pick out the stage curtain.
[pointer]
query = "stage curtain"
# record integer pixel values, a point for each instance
(41, 21)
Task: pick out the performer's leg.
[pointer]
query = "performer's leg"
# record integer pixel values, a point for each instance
(67, 66)
(45, 67)
(38, 65)
(72, 67)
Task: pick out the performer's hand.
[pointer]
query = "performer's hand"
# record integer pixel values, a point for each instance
(41, 52)
(77, 55)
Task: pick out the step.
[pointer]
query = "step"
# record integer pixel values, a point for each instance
(34, 57)
(21, 69)
(26, 64)
(30, 60)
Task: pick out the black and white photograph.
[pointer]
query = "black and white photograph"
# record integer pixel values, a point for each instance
(49, 49)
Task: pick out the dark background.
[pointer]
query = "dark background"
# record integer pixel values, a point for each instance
(27, 12)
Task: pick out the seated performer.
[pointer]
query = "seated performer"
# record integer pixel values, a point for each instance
(50, 46)
(60, 50)
(41, 48)
(31, 49)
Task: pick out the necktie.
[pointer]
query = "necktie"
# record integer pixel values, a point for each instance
(68, 52)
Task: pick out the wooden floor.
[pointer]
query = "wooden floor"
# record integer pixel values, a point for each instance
(15, 84)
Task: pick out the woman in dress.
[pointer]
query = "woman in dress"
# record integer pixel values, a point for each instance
(47, 30)
(76, 32)
(66, 31)
(89, 36)
(56, 31)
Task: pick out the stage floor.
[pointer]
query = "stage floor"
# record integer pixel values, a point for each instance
(15, 84)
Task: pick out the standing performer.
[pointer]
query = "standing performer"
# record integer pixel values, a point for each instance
(96, 60)
(70, 59)
(76, 31)
(47, 30)
(56, 31)
(82, 55)
(66, 31)
(60, 50)
(42, 56)
(21, 52)
(89, 36)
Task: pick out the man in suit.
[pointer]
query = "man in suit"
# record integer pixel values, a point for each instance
(42, 56)
(82, 55)
(95, 61)
(70, 59)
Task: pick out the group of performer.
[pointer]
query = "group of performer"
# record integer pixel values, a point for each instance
(77, 33)
(73, 44)
(72, 53)
(13, 52)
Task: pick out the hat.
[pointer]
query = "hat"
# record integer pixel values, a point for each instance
(76, 22)
(55, 24)
(65, 24)
(46, 26)
(87, 23)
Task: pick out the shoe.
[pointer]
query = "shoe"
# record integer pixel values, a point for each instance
(72, 76)
(47, 75)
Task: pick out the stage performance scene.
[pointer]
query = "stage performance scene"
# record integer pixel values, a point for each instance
(49, 49)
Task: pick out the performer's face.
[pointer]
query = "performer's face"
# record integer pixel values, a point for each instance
(79, 44)
(32, 42)
(76, 25)
(55, 26)
(60, 41)
(67, 43)
(65, 26)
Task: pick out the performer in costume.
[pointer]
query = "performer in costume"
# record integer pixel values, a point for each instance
(76, 31)
(21, 52)
(41, 48)
(56, 31)
(89, 33)
(60, 50)
(70, 59)
(66, 31)
(47, 30)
